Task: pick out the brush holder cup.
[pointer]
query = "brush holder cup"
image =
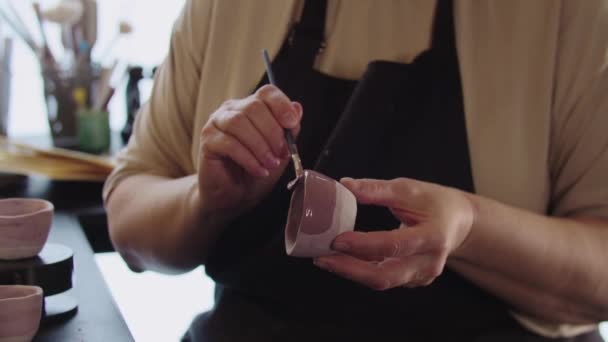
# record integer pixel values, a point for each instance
(59, 86)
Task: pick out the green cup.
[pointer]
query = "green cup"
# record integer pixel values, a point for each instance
(93, 131)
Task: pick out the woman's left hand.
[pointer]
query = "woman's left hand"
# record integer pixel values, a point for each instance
(436, 222)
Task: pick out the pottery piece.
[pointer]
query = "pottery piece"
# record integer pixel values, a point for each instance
(20, 312)
(24, 227)
(320, 209)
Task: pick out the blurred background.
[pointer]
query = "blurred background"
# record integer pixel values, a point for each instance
(145, 45)
(130, 34)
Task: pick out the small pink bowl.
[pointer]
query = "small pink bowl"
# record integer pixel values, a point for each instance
(24, 227)
(320, 209)
(20, 312)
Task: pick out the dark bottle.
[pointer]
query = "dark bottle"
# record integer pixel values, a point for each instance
(133, 100)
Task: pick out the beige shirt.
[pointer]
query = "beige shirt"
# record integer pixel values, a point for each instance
(534, 77)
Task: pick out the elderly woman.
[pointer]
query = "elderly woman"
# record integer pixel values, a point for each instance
(474, 135)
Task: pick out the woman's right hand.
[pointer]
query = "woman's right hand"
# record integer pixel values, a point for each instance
(243, 150)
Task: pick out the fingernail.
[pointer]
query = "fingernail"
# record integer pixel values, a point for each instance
(285, 153)
(271, 160)
(297, 107)
(290, 118)
(264, 172)
(341, 246)
(321, 263)
(350, 181)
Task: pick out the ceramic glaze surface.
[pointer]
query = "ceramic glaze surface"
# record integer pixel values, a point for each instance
(20, 312)
(320, 209)
(318, 203)
(24, 227)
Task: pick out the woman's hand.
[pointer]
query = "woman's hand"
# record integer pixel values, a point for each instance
(243, 150)
(436, 221)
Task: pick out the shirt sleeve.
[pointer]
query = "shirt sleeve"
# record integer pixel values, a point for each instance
(579, 139)
(163, 129)
(578, 156)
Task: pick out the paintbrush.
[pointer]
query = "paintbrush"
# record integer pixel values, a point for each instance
(68, 14)
(89, 22)
(17, 28)
(47, 54)
(19, 21)
(106, 89)
(291, 142)
(124, 28)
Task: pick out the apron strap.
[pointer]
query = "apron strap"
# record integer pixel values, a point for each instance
(443, 27)
(313, 19)
(307, 38)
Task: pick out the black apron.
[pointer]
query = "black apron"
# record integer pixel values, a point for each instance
(399, 120)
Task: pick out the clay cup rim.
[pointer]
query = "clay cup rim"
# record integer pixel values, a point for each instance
(17, 293)
(17, 208)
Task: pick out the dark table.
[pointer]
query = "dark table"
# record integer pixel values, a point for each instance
(98, 317)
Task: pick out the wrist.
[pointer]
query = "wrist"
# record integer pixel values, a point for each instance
(466, 247)
(202, 226)
(205, 215)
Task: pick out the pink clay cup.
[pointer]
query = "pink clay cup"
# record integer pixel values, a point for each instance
(24, 227)
(20, 312)
(320, 209)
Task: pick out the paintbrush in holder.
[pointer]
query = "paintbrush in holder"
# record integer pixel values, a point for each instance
(6, 47)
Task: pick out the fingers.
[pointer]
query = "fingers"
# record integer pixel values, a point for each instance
(402, 242)
(263, 120)
(412, 255)
(419, 270)
(252, 129)
(409, 257)
(394, 193)
(280, 106)
(299, 110)
(219, 145)
(238, 127)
